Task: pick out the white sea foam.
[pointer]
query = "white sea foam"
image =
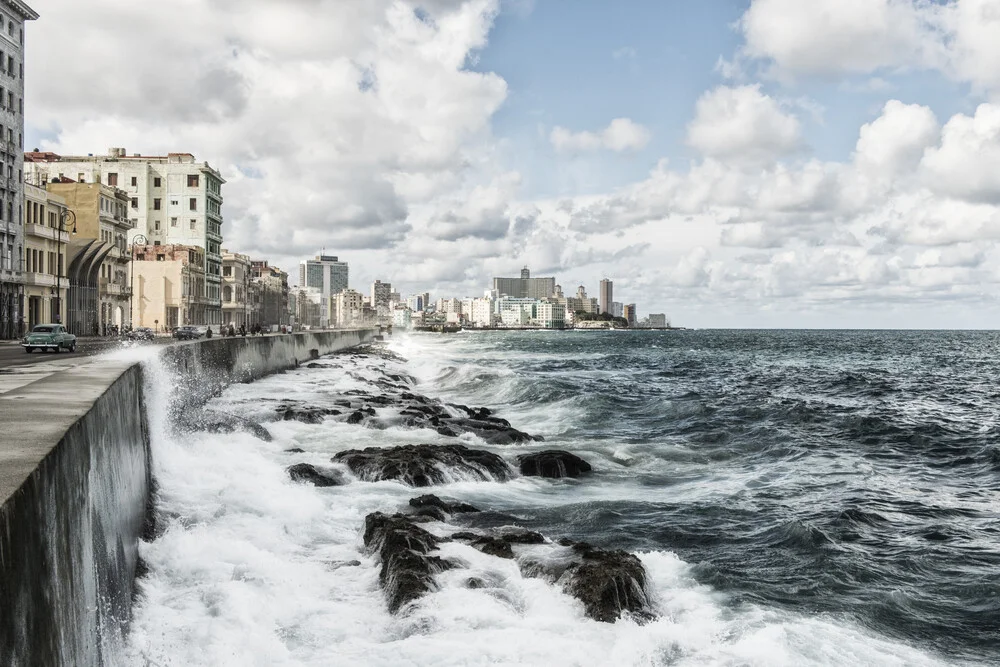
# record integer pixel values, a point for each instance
(254, 569)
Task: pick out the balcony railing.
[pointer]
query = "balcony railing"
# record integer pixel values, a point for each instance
(42, 280)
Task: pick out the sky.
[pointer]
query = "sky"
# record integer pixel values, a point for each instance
(732, 163)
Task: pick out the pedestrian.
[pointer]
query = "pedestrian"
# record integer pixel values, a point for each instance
(243, 330)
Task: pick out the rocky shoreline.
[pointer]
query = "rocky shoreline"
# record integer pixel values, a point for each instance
(406, 541)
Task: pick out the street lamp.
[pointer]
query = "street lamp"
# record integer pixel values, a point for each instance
(63, 217)
(138, 239)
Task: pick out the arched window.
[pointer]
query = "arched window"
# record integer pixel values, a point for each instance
(227, 294)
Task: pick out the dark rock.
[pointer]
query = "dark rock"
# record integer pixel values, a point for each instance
(608, 583)
(295, 450)
(403, 548)
(431, 511)
(305, 414)
(492, 546)
(356, 417)
(381, 400)
(430, 500)
(553, 463)
(342, 402)
(223, 422)
(522, 536)
(447, 432)
(305, 472)
(423, 465)
(465, 536)
(315, 365)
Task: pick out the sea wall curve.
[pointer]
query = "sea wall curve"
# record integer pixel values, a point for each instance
(75, 485)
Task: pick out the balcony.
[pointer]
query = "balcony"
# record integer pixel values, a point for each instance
(109, 288)
(45, 232)
(42, 280)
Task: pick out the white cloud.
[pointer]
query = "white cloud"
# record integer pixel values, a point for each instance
(625, 53)
(834, 36)
(621, 135)
(895, 141)
(845, 37)
(967, 163)
(743, 124)
(366, 112)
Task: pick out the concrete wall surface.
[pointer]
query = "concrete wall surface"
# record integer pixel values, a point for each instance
(75, 484)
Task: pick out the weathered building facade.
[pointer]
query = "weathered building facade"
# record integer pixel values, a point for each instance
(13, 16)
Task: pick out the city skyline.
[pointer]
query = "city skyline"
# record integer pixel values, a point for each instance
(729, 171)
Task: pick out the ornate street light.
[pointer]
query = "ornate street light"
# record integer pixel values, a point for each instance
(138, 239)
(63, 217)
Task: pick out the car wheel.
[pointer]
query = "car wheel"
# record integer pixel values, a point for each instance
(72, 347)
(27, 350)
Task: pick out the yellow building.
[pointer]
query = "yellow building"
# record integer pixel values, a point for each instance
(169, 286)
(99, 293)
(46, 241)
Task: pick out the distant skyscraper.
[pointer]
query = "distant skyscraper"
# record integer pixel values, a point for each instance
(327, 274)
(525, 287)
(630, 314)
(606, 296)
(381, 294)
(617, 309)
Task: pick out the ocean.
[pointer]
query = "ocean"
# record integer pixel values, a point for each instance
(795, 498)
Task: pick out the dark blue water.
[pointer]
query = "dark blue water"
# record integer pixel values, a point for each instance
(845, 475)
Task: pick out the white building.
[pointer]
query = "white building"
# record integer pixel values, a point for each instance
(13, 15)
(329, 275)
(480, 312)
(401, 318)
(173, 200)
(347, 306)
(658, 320)
(417, 303)
(617, 309)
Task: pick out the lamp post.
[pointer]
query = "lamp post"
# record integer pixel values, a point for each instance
(63, 217)
(138, 239)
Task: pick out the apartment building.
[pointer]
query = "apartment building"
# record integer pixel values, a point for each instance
(98, 240)
(46, 241)
(13, 16)
(173, 199)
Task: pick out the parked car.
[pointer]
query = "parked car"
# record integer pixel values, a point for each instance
(187, 333)
(140, 333)
(49, 337)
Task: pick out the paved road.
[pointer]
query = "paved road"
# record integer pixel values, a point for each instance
(13, 355)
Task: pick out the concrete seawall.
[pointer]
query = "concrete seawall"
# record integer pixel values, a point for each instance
(75, 481)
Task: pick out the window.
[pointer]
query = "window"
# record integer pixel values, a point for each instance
(135, 202)
(156, 225)
(194, 223)
(10, 28)
(135, 181)
(79, 178)
(174, 202)
(173, 222)
(156, 204)
(160, 258)
(193, 204)
(192, 180)
(227, 271)
(10, 65)
(112, 179)
(156, 182)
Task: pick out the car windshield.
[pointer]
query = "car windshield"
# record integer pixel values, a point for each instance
(43, 330)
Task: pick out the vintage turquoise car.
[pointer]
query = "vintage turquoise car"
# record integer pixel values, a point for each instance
(49, 337)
